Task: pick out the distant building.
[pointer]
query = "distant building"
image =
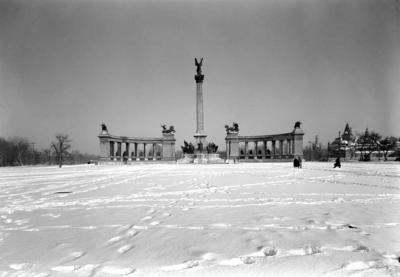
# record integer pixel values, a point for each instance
(344, 145)
(348, 146)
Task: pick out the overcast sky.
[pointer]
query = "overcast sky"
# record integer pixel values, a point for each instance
(68, 66)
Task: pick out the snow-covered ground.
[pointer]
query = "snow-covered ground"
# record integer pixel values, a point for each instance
(201, 220)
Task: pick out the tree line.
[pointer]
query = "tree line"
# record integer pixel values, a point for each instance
(19, 151)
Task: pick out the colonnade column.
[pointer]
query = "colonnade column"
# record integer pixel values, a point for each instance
(154, 152)
(119, 151)
(284, 152)
(136, 153)
(112, 150)
(265, 149)
(273, 148)
(127, 151)
(245, 149)
(256, 149)
(292, 146)
(144, 151)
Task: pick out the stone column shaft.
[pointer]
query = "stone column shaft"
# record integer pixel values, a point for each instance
(273, 147)
(287, 147)
(119, 155)
(112, 150)
(265, 149)
(199, 108)
(127, 150)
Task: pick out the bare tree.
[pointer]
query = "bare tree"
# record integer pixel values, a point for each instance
(20, 150)
(61, 147)
(387, 144)
(367, 143)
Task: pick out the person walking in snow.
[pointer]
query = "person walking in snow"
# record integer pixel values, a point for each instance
(296, 163)
(337, 163)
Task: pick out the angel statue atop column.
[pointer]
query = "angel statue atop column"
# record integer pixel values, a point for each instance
(198, 64)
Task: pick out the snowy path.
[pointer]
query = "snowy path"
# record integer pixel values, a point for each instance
(209, 220)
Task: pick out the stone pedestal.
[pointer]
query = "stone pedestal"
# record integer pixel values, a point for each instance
(168, 147)
(104, 148)
(200, 138)
(200, 158)
(232, 150)
(298, 143)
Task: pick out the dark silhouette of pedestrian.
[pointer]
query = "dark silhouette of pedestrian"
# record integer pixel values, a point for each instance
(300, 162)
(337, 163)
(296, 163)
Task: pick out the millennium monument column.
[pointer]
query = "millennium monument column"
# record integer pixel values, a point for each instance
(199, 136)
(202, 152)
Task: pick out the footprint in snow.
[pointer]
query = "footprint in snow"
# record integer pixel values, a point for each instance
(151, 211)
(65, 268)
(311, 249)
(358, 265)
(124, 249)
(362, 248)
(77, 255)
(306, 250)
(248, 259)
(73, 256)
(209, 256)
(269, 251)
(21, 266)
(88, 269)
(184, 265)
(132, 233)
(114, 240)
(146, 218)
(113, 270)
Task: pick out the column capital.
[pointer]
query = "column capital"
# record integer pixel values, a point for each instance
(199, 78)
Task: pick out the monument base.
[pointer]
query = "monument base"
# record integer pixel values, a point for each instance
(201, 158)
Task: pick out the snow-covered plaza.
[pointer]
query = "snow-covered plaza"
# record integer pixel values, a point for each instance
(255, 219)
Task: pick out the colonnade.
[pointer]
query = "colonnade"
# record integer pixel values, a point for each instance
(265, 149)
(280, 146)
(117, 153)
(127, 149)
